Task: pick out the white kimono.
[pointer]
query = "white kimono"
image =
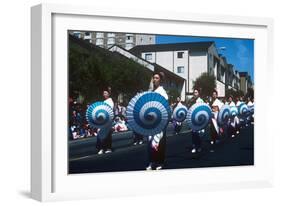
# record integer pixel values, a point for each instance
(156, 138)
(110, 102)
(231, 104)
(162, 91)
(199, 100)
(219, 104)
(238, 103)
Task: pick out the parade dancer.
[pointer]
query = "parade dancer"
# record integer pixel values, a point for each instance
(240, 120)
(215, 130)
(157, 143)
(250, 116)
(104, 145)
(230, 101)
(234, 120)
(196, 135)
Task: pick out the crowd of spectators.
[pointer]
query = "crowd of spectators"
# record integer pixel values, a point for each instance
(80, 128)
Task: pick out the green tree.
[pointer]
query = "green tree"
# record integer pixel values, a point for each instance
(206, 83)
(250, 93)
(230, 92)
(173, 94)
(233, 93)
(92, 68)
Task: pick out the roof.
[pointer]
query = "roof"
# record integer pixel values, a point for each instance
(224, 61)
(156, 66)
(194, 46)
(243, 74)
(115, 45)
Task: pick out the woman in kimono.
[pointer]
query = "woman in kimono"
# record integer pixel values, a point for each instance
(157, 142)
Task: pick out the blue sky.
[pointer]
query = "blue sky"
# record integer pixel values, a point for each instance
(239, 52)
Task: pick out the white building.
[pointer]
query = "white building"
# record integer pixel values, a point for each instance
(245, 81)
(172, 80)
(188, 60)
(108, 39)
(221, 75)
(232, 78)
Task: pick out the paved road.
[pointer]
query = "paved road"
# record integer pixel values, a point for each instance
(126, 156)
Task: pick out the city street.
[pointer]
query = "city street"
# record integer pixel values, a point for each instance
(83, 157)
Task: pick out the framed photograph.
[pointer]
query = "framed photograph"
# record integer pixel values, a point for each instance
(135, 102)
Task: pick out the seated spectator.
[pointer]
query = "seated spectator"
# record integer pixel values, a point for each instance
(119, 125)
(75, 133)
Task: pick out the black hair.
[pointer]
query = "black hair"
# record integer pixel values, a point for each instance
(107, 89)
(161, 75)
(215, 91)
(198, 89)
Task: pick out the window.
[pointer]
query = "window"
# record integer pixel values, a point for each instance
(99, 35)
(110, 35)
(87, 35)
(219, 76)
(148, 56)
(110, 41)
(180, 69)
(180, 55)
(129, 46)
(99, 42)
(77, 34)
(129, 38)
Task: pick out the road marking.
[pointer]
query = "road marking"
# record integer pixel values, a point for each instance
(80, 158)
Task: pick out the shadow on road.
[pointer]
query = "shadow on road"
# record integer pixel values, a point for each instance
(235, 151)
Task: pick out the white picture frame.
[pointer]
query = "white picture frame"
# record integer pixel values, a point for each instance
(49, 178)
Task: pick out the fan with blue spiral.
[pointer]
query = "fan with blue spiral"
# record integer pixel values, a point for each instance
(100, 115)
(180, 113)
(233, 111)
(199, 116)
(243, 110)
(224, 115)
(148, 113)
(251, 109)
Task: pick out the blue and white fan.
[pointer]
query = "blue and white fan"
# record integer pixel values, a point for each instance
(233, 111)
(148, 113)
(251, 109)
(180, 113)
(100, 115)
(224, 115)
(199, 116)
(243, 110)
